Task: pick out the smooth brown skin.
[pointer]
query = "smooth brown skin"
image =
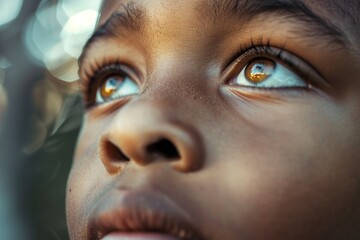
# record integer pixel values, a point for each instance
(277, 164)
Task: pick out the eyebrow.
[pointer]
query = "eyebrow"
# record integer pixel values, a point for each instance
(313, 24)
(132, 18)
(128, 18)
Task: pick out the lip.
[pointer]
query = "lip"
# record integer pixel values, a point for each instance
(138, 236)
(129, 214)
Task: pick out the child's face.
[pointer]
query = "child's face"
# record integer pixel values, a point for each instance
(225, 119)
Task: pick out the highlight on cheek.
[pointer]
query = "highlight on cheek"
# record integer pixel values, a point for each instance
(259, 70)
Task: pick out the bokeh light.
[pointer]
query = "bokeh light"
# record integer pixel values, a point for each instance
(60, 64)
(77, 30)
(40, 115)
(57, 33)
(72, 7)
(4, 64)
(9, 10)
(39, 40)
(54, 38)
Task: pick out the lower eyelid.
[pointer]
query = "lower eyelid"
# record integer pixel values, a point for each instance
(108, 107)
(272, 95)
(255, 96)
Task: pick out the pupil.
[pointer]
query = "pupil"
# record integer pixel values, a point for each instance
(259, 70)
(110, 86)
(112, 82)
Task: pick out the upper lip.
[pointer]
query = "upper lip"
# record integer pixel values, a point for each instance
(139, 211)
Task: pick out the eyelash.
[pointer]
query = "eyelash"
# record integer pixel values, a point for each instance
(259, 48)
(99, 71)
(96, 75)
(267, 50)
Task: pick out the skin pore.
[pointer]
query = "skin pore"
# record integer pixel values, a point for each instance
(219, 119)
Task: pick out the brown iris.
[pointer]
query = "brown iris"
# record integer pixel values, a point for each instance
(259, 70)
(110, 86)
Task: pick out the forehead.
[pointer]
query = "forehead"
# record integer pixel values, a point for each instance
(343, 13)
(349, 8)
(340, 15)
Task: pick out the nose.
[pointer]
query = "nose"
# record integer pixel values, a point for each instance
(145, 133)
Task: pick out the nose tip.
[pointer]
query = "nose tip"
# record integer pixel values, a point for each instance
(144, 141)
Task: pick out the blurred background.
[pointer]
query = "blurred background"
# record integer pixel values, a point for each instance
(40, 111)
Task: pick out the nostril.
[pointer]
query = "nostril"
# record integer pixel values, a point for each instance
(113, 159)
(163, 148)
(113, 153)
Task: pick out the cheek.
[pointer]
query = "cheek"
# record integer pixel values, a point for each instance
(85, 183)
(289, 172)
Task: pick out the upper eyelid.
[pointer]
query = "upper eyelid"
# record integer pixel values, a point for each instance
(129, 56)
(129, 18)
(245, 54)
(95, 68)
(259, 44)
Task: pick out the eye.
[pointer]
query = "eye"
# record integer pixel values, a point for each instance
(266, 73)
(116, 86)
